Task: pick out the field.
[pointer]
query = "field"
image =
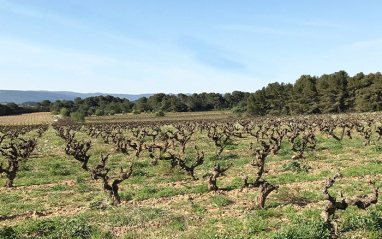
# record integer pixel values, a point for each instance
(27, 119)
(53, 197)
(168, 116)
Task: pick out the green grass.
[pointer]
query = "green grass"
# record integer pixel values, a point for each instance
(220, 201)
(163, 202)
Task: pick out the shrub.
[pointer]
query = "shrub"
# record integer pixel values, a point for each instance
(91, 111)
(77, 117)
(159, 113)
(64, 112)
(99, 112)
(240, 109)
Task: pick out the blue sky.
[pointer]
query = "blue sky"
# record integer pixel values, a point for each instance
(174, 46)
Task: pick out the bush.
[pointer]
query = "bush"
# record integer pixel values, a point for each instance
(112, 112)
(239, 110)
(99, 112)
(136, 112)
(91, 111)
(77, 117)
(159, 113)
(64, 112)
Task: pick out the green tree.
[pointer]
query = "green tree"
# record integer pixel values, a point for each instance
(257, 103)
(64, 112)
(142, 105)
(5, 110)
(332, 90)
(77, 116)
(45, 104)
(277, 95)
(304, 97)
(99, 112)
(368, 94)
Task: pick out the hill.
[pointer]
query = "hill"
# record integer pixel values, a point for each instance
(19, 96)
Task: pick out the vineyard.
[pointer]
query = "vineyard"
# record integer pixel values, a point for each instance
(193, 176)
(29, 119)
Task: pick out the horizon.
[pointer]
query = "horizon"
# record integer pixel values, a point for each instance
(111, 92)
(214, 47)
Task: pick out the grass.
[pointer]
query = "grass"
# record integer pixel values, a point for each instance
(220, 201)
(163, 202)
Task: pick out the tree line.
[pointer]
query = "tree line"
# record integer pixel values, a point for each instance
(333, 93)
(109, 105)
(14, 109)
(329, 93)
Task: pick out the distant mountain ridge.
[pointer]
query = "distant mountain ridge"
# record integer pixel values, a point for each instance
(20, 96)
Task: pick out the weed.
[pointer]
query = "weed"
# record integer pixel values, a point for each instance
(178, 223)
(256, 225)
(291, 196)
(314, 229)
(220, 201)
(59, 187)
(197, 209)
(8, 233)
(295, 166)
(134, 216)
(265, 213)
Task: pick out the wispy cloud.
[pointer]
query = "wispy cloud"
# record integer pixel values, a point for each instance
(263, 30)
(364, 44)
(255, 29)
(40, 56)
(288, 20)
(18, 9)
(25, 10)
(211, 55)
(286, 26)
(319, 23)
(142, 44)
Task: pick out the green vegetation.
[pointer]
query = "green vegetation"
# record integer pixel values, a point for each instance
(329, 93)
(54, 197)
(77, 117)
